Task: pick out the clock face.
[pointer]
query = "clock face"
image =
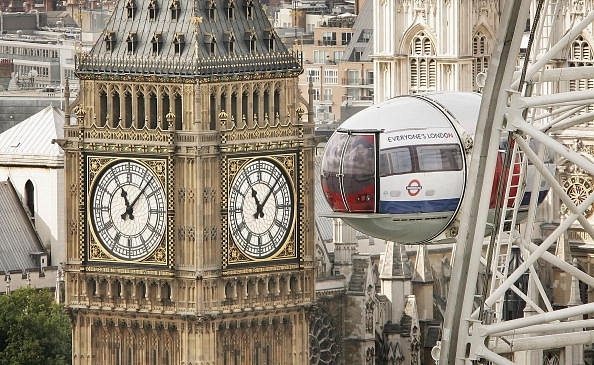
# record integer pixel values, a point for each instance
(128, 209)
(260, 208)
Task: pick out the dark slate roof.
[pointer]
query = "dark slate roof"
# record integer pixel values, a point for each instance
(18, 239)
(362, 40)
(198, 31)
(322, 209)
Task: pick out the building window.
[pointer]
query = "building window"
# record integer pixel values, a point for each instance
(250, 38)
(211, 6)
(338, 56)
(109, 40)
(230, 40)
(353, 77)
(131, 40)
(157, 42)
(175, 9)
(211, 44)
(423, 65)
(249, 9)
(319, 56)
(153, 7)
(316, 94)
(346, 38)
(179, 42)
(480, 53)
(131, 8)
(30, 198)
(230, 9)
(329, 38)
(331, 76)
(327, 94)
(368, 78)
(269, 39)
(313, 75)
(580, 54)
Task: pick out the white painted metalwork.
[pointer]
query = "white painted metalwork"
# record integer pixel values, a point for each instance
(526, 107)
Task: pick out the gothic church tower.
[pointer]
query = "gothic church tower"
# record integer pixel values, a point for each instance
(189, 177)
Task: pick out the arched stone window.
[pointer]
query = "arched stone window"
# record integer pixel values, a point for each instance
(580, 54)
(211, 43)
(481, 51)
(423, 65)
(132, 41)
(249, 9)
(269, 39)
(131, 8)
(211, 6)
(230, 9)
(250, 38)
(153, 7)
(157, 42)
(30, 198)
(230, 41)
(175, 9)
(179, 41)
(102, 108)
(109, 40)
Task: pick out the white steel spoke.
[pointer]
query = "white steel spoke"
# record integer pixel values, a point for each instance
(540, 117)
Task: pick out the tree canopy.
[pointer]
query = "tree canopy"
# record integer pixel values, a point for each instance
(34, 330)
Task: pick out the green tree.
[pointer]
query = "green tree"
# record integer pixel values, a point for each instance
(33, 329)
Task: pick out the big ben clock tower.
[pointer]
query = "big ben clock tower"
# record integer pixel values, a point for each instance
(189, 172)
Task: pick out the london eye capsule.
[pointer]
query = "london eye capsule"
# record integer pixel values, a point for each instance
(398, 170)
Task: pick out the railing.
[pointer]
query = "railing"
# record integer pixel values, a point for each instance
(357, 82)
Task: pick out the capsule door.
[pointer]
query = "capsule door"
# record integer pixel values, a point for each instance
(349, 176)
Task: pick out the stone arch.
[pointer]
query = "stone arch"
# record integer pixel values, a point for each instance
(166, 292)
(30, 198)
(411, 33)
(482, 44)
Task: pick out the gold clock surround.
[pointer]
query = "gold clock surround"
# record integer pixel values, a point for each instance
(288, 253)
(161, 169)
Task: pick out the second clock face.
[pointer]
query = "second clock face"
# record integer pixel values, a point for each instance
(260, 208)
(128, 210)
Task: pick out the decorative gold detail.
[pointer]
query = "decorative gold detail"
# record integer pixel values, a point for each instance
(255, 269)
(223, 116)
(160, 255)
(128, 271)
(300, 111)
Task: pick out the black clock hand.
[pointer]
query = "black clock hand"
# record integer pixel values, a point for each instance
(125, 196)
(255, 196)
(259, 207)
(130, 208)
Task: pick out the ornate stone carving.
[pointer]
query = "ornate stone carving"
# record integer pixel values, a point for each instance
(323, 339)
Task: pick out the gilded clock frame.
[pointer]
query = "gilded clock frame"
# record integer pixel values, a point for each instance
(288, 253)
(162, 168)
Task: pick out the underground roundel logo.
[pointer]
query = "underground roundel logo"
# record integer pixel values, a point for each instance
(414, 187)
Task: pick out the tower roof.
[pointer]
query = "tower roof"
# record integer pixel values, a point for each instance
(396, 264)
(30, 141)
(188, 38)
